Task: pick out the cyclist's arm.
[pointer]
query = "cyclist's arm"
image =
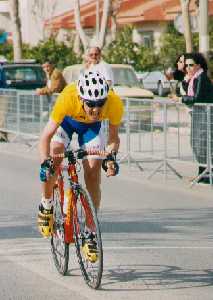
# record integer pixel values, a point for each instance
(113, 139)
(44, 143)
(109, 164)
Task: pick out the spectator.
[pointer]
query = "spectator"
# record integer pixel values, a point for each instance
(178, 74)
(199, 90)
(55, 80)
(94, 63)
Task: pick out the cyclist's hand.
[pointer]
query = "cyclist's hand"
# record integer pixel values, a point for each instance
(112, 168)
(46, 170)
(110, 165)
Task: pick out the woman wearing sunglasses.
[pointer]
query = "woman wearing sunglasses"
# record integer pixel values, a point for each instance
(178, 74)
(81, 109)
(199, 90)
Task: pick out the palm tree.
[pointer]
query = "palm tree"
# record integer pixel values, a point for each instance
(100, 32)
(16, 29)
(186, 24)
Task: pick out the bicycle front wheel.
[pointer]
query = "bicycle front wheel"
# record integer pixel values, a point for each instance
(59, 248)
(84, 217)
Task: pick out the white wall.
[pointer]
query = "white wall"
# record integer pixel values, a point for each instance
(33, 24)
(4, 6)
(4, 16)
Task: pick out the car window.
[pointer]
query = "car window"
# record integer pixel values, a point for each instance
(19, 73)
(124, 76)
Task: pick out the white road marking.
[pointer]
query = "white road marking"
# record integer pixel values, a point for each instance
(158, 247)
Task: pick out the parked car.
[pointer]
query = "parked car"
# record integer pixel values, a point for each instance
(126, 85)
(156, 82)
(21, 75)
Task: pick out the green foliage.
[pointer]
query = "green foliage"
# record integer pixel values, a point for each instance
(122, 50)
(172, 45)
(60, 54)
(6, 50)
(148, 60)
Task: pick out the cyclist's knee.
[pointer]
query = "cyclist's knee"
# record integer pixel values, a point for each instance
(92, 172)
(92, 176)
(56, 148)
(92, 179)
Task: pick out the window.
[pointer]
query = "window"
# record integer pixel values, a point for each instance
(147, 38)
(125, 76)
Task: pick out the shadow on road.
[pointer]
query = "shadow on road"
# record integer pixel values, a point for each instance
(155, 277)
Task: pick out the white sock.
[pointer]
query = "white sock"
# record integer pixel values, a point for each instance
(47, 203)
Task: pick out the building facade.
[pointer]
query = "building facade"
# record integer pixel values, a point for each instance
(33, 14)
(149, 17)
(41, 18)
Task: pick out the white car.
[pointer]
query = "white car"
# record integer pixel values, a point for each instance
(126, 83)
(156, 82)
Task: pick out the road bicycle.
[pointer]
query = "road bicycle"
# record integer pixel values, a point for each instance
(69, 226)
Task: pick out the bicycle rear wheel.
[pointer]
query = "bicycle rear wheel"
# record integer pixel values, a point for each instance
(84, 210)
(59, 248)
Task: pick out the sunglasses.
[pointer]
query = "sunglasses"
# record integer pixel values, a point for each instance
(93, 54)
(189, 65)
(92, 104)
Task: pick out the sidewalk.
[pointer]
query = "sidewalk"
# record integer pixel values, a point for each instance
(133, 172)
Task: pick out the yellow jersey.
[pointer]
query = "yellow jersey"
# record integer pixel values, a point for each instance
(68, 104)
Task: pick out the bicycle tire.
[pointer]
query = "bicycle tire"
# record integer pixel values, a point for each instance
(91, 271)
(59, 248)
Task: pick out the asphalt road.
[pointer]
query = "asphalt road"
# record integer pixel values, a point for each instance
(157, 238)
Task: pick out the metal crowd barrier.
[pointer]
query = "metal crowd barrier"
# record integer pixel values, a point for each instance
(23, 112)
(151, 130)
(156, 130)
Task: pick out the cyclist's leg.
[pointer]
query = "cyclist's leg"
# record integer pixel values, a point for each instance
(93, 139)
(45, 216)
(56, 147)
(92, 177)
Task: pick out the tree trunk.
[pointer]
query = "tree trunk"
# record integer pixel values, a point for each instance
(79, 28)
(42, 10)
(97, 18)
(203, 28)
(104, 21)
(102, 31)
(16, 29)
(186, 24)
(76, 46)
(115, 5)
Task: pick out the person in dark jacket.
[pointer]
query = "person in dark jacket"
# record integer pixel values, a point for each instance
(178, 74)
(199, 90)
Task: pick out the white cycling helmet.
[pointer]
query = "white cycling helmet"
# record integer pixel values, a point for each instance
(92, 86)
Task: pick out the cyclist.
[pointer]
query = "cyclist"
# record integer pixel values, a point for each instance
(80, 108)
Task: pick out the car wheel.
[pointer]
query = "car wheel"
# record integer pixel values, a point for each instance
(160, 89)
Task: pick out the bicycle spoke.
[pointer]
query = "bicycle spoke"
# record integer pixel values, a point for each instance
(84, 218)
(60, 249)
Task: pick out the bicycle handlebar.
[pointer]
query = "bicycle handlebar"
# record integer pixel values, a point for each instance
(81, 153)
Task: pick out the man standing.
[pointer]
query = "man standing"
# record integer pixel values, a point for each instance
(55, 80)
(94, 63)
